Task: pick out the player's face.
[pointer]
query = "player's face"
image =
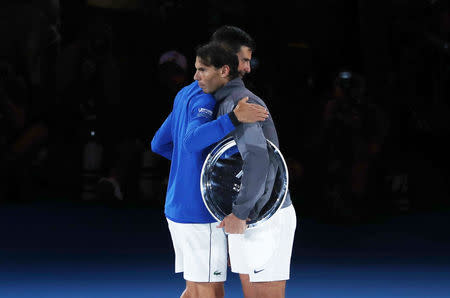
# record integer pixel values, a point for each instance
(244, 55)
(209, 78)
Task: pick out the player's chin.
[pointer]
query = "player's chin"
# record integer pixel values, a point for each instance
(205, 90)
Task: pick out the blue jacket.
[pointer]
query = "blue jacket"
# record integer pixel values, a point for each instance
(182, 138)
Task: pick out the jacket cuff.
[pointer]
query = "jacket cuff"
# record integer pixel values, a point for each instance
(240, 214)
(233, 118)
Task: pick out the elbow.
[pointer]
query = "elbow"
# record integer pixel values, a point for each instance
(189, 145)
(257, 159)
(156, 147)
(259, 155)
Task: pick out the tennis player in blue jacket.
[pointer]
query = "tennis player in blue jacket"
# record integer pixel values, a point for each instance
(184, 138)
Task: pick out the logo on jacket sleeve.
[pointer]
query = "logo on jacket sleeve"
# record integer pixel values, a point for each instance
(202, 112)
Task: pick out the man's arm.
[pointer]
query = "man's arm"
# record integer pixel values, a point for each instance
(252, 146)
(162, 142)
(202, 132)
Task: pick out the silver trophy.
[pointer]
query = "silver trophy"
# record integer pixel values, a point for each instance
(220, 182)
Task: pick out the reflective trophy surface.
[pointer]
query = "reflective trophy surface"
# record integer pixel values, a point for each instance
(220, 182)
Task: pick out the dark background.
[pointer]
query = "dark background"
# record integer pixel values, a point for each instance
(54, 224)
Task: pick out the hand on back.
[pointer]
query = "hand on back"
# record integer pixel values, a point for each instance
(250, 112)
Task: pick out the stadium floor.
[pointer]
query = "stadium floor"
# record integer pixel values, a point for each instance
(76, 249)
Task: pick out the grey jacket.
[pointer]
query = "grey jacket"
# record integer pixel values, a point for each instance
(258, 178)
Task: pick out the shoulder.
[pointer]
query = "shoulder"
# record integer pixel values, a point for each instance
(199, 101)
(252, 97)
(190, 89)
(256, 99)
(193, 93)
(197, 92)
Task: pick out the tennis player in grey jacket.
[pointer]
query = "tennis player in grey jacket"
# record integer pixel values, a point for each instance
(260, 255)
(252, 145)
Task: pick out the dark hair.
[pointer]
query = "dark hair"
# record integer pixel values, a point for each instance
(351, 83)
(215, 54)
(234, 38)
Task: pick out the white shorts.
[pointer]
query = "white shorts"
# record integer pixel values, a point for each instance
(264, 252)
(200, 251)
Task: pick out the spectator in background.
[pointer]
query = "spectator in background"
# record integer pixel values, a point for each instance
(350, 140)
(88, 77)
(172, 76)
(30, 43)
(16, 138)
(177, 59)
(89, 94)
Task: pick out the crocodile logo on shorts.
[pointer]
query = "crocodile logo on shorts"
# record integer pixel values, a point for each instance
(217, 272)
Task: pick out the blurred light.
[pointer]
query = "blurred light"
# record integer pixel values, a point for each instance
(254, 63)
(345, 75)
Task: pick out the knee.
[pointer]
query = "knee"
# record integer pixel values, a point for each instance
(219, 293)
(185, 294)
(204, 290)
(274, 289)
(191, 291)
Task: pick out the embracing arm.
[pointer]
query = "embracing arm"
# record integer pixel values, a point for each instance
(162, 142)
(202, 132)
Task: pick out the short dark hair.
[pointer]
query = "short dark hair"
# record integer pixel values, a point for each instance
(234, 38)
(215, 54)
(351, 83)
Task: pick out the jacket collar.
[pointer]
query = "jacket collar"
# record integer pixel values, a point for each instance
(226, 90)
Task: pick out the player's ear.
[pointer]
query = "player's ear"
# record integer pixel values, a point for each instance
(224, 71)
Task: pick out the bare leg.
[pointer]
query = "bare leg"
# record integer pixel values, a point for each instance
(273, 289)
(247, 289)
(203, 290)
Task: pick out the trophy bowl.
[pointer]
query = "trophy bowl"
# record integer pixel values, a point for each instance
(220, 182)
